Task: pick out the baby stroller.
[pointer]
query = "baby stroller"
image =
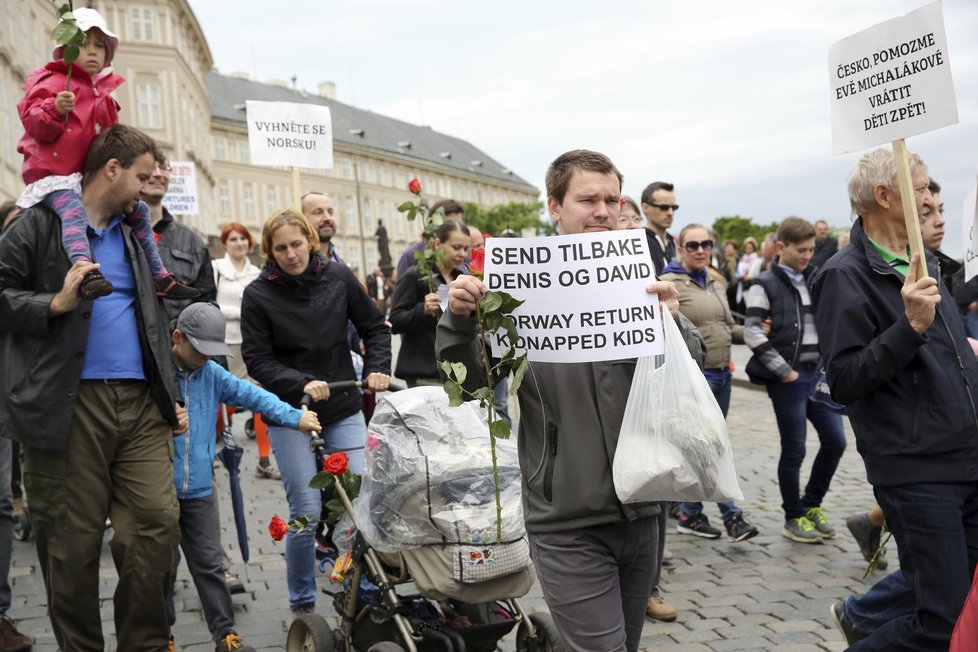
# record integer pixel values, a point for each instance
(426, 514)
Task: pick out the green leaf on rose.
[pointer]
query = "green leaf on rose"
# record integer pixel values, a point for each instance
(334, 505)
(499, 429)
(321, 480)
(510, 303)
(406, 206)
(519, 370)
(64, 31)
(491, 302)
(483, 394)
(460, 372)
(70, 54)
(454, 394)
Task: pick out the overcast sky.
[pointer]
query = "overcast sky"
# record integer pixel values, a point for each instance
(728, 100)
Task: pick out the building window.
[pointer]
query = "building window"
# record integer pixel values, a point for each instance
(244, 155)
(398, 220)
(351, 216)
(224, 199)
(347, 170)
(221, 148)
(367, 217)
(271, 199)
(378, 176)
(141, 21)
(248, 201)
(149, 108)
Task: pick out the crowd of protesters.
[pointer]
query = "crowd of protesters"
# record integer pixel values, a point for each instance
(115, 307)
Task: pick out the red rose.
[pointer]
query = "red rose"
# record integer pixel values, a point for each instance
(415, 186)
(278, 528)
(478, 262)
(337, 464)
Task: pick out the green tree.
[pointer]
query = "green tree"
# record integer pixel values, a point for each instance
(735, 227)
(514, 215)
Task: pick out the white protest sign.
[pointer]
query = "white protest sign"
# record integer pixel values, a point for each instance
(283, 133)
(181, 196)
(585, 298)
(970, 222)
(891, 81)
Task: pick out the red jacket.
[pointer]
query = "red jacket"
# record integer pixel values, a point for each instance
(965, 636)
(51, 145)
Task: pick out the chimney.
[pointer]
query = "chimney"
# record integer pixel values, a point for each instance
(327, 89)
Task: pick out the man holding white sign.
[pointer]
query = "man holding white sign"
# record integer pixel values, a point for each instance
(896, 355)
(571, 413)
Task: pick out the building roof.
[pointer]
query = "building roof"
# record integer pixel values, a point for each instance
(228, 94)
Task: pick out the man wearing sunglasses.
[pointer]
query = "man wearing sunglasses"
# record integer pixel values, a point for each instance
(659, 205)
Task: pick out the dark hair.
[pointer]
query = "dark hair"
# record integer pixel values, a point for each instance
(934, 187)
(450, 206)
(652, 187)
(236, 227)
(6, 208)
(793, 230)
(450, 227)
(563, 167)
(120, 142)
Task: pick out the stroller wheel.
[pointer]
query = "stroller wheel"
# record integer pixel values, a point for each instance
(310, 633)
(250, 427)
(22, 525)
(547, 638)
(385, 646)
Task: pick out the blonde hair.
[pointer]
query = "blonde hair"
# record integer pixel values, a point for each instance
(285, 217)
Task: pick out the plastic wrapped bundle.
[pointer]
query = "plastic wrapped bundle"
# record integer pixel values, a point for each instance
(428, 475)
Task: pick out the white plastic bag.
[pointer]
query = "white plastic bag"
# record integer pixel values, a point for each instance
(673, 443)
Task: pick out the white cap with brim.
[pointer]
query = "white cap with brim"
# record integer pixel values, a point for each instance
(87, 19)
(205, 327)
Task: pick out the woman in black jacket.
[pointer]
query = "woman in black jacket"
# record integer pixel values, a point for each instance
(294, 331)
(416, 308)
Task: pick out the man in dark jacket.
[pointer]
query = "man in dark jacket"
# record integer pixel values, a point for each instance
(570, 417)
(659, 205)
(896, 356)
(181, 250)
(826, 245)
(86, 389)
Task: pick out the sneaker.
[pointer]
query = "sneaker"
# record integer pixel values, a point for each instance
(94, 285)
(267, 472)
(666, 557)
(171, 646)
(169, 287)
(233, 583)
(659, 609)
(303, 609)
(801, 530)
(739, 528)
(821, 522)
(231, 641)
(841, 619)
(325, 548)
(867, 536)
(698, 525)
(10, 639)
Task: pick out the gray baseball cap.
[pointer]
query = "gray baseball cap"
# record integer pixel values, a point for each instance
(204, 325)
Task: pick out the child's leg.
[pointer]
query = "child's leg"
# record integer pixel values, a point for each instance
(201, 545)
(74, 224)
(142, 228)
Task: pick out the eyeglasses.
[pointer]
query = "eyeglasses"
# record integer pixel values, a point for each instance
(665, 207)
(163, 167)
(707, 245)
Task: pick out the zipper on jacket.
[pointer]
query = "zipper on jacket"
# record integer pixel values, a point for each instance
(551, 453)
(186, 443)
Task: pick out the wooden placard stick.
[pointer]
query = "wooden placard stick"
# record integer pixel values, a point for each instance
(909, 200)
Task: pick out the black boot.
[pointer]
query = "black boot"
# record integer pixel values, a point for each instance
(94, 285)
(169, 287)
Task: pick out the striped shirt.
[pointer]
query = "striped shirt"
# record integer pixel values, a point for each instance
(759, 309)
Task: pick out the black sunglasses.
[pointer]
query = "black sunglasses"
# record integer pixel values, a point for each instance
(665, 207)
(694, 246)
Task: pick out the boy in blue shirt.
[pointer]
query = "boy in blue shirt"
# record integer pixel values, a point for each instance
(203, 385)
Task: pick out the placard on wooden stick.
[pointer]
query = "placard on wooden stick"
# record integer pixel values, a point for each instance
(889, 82)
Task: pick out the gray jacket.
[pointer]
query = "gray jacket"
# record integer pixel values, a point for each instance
(42, 355)
(570, 416)
(184, 254)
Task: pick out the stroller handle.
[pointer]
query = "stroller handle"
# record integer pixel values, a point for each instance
(343, 385)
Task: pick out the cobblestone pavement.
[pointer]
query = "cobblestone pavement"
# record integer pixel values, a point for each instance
(764, 594)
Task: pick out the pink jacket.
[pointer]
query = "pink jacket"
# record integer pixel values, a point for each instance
(51, 145)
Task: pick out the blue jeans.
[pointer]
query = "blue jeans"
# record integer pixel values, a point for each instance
(792, 409)
(936, 530)
(720, 386)
(297, 464)
(891, 597)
